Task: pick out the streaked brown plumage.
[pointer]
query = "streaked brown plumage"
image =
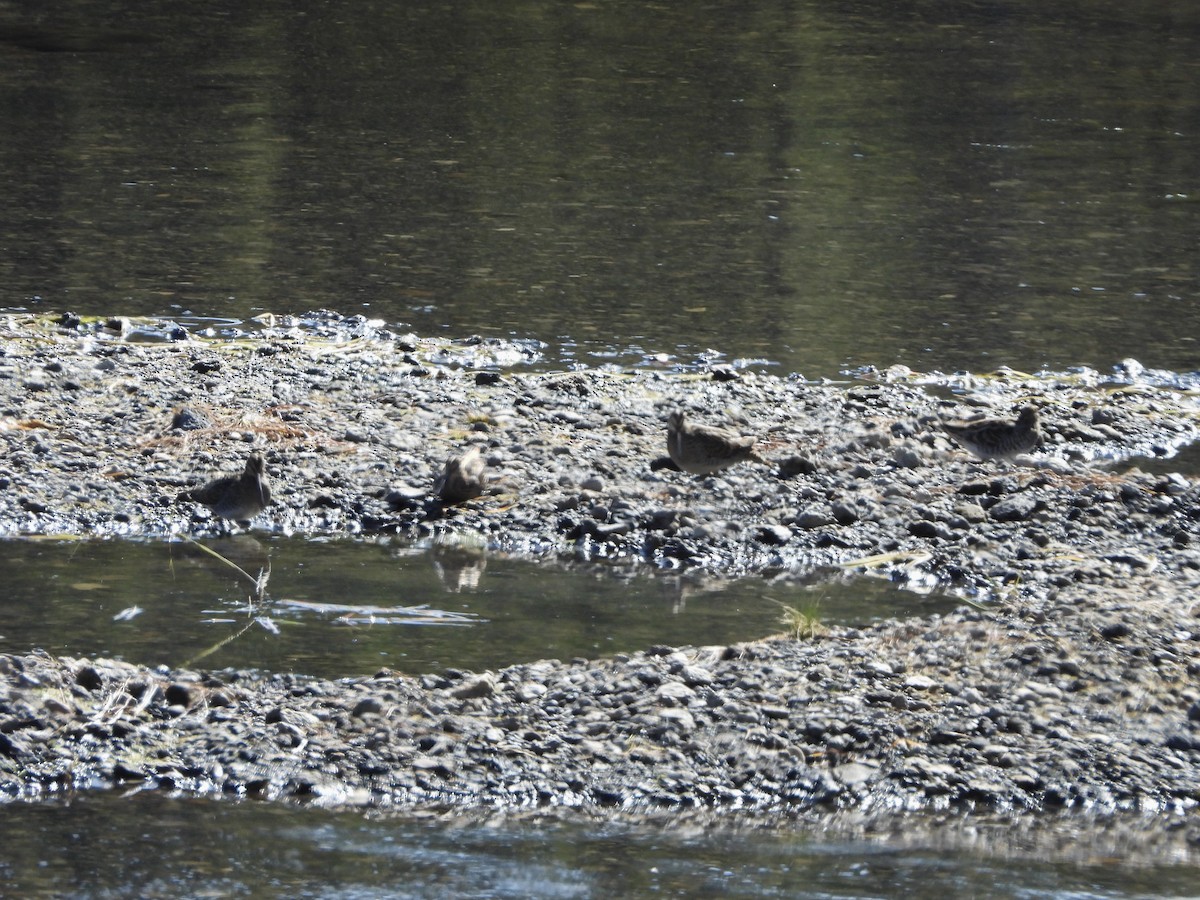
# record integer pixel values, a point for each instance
(236, 497)
(462, 478)
(702, 449)
(998, 438)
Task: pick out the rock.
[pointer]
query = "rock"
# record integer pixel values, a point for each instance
(853, 774)
(920, 682)
(923, 528)
(480, 686)
(1115, 631)
(813, 517)
(593, 483)
(696, 676)
(178, 694)
(971, 512)
(404, 497)
(88, 678)
(1133, 559)
(529, 691)
(1016, 508)
(677, 718)
(773, 535)
(844, 513)
(188, 419)
(367, 706)
(797, 464)
(908, 456)
(674, 693)
(1183, 742)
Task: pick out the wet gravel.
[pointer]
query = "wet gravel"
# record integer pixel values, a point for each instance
(1075, 686)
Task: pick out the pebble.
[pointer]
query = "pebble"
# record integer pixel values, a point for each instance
(813, 517)
(1014, 509)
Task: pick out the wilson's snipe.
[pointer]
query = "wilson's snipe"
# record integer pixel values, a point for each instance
(236, 497)
(462, 478)
(702, 449)
(998, 438)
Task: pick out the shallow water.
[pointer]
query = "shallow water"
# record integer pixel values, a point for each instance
(340, 608)
(107, 845)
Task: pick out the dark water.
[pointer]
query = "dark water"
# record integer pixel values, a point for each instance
(147, 845)
(340, 608)
(821, 185)
(954, 185)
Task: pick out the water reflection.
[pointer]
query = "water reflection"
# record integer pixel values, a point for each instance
(338, 608)
(817, 184)
(458, 568)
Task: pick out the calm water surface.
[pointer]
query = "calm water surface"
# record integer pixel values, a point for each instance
(147, 845)
(819, 185)
(340, 608)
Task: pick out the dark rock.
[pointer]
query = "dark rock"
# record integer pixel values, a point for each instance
(796, 465)
(367, 706)
(973, 488)
(88, 678)
(482, 686)
(12, 746)
(844, 513)
(1015, 508)
(773, 535)
(661, 519)
(1184, 742)
(1115, 630)
(188, 419)
(924, 529)
(404, 497)
(1132, 559)
(178, 695)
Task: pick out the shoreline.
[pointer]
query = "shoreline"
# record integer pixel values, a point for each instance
(1072, 689)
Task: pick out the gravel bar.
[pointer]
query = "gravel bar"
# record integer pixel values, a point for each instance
(1070, 683)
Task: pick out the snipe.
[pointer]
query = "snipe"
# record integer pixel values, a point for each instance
(462, 478)
(238, 498)
(703, 449)
(998, 438)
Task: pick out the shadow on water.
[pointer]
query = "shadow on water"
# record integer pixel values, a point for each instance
(207, 848)
(339, 608)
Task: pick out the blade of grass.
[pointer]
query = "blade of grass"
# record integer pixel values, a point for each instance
(211, 552)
